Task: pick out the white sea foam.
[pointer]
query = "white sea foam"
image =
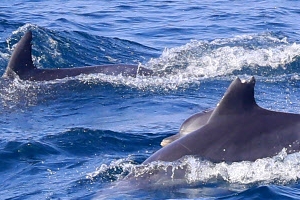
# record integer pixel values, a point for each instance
(24, 28)
(4, 56)
(280, 169)
(197, 60)
(222, 57)
(179, 67)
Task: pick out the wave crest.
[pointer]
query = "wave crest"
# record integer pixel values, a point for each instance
(281, 169)
(266, 55)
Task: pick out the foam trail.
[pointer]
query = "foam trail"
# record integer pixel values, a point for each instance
(198, 60)
(235, 177)
(222, 57)
(282, 168)
(183, 66)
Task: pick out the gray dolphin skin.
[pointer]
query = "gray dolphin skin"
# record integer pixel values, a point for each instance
(21, 64)
(237, 130)
(191, 124)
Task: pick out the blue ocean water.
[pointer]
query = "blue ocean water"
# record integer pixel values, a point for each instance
(78, 138)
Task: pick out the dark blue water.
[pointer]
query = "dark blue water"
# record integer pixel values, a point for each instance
(78, 138)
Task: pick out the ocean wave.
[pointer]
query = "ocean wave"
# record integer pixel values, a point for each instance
(196, 178)
(190, 171)
(27, 151)
(224, 56)
(54, 49)
(85, 141)
(263, 55)
(180, 67)
(74, 142)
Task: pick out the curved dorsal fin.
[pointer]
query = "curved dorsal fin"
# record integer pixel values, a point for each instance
(21, 60)
(238, 98)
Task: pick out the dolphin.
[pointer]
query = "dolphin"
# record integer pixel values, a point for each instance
(191, 124)
(21, 64)
(237, 130)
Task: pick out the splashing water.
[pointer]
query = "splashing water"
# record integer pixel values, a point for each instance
(185, 65)
(282, 168)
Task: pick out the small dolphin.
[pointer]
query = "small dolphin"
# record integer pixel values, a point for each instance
(237, 130)
(191, 124)
(21, 64)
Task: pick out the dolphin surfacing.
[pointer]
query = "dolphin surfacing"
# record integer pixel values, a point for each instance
(237, 130)
(191, 124)
(21, 64)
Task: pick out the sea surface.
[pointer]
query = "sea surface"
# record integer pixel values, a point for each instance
(80, 137)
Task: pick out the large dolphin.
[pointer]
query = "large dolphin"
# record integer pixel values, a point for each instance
(237, 130)
(21, 64)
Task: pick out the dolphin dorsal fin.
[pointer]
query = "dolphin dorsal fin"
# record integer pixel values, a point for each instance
(238, 98)
(21, 60)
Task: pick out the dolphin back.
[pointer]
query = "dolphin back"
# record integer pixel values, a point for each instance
(237, 130)
(21, 65)
(191, 124)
